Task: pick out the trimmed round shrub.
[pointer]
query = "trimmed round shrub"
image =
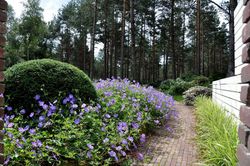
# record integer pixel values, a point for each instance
(48, 78)
(191, 94)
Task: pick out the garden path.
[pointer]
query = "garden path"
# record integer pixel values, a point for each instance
(176, 148)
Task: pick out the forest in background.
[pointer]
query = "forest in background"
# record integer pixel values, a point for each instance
(146, 40)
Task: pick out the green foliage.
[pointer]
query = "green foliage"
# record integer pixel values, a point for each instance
(70, 132)
(191, 94)
(47, 77)
(217, 136)
(175, 87)
(201, 81)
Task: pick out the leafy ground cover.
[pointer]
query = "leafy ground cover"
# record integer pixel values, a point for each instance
(216, 134)
(67, 131)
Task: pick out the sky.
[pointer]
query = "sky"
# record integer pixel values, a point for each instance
(50, 7)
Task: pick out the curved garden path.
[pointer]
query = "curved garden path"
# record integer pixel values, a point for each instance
(176, 148)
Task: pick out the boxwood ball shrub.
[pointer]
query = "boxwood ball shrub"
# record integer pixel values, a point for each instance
(48, 78)
(191, 94)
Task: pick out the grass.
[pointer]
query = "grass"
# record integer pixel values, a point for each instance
(217, 137)
(178, 98)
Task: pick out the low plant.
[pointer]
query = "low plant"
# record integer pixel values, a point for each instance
(70, 132)
(191, 94)
(217, 137)
(175, 87)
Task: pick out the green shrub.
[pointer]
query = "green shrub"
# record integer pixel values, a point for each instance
(217, 136)
(191, 94)
(201, 81)
(175, 87)
(46, 77)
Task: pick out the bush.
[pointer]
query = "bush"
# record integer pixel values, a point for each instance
(99, 134)
(175, 87)
(191, 94)
(217, 136)
(48, 78)
(201, 81)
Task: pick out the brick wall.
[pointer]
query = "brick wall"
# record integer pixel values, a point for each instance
(3, 19)
(243, 150)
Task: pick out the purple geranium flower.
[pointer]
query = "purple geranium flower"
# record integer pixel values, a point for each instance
(89, 155)
(32, 131)
(9, 108)
(107, 116)
(90, 146)
(113, 154)
(77, 121)
(105, 140)
(131, 139)
(41, 118)
(31, 114)
(143, 138)
(23, 111)
(37, 97)
(135, 125)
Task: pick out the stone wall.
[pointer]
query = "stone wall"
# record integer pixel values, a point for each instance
(3, 19)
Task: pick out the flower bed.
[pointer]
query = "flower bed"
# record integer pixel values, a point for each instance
(102, 133)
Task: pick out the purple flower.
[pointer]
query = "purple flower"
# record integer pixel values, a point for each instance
(140, 156)
(34, 144)
(31, 114)
(37, 97)
(90, 146)
(122, 127)
(113, 154)
(7, 160)
(21, 130)
(143, 138)
(9, 108)
(26, 127)
(45, 106)
(83, 105)
(124, 141)
(105, 140)
(157, 122)
(89, 155)
(41, 103)
(116, 116)
(107, 116)
(41, 118)
(40, 125)
(135, 125)
(65, 101)
(74, 106)
(139, 116)
(123, 153)
(10, 125)
(77, 121)
(118, 148)
(23, 111)
(39, 143)
(131, 139)
(32, 131)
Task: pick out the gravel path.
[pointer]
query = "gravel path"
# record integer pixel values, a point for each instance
(176, 148)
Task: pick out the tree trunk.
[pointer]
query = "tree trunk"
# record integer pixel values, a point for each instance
(92, 43)
(198, 38)
(123, 38)
(173, 38)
